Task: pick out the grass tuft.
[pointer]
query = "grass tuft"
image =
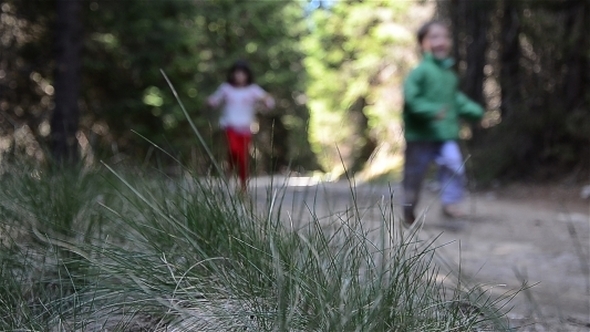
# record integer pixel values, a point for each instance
(113, 251)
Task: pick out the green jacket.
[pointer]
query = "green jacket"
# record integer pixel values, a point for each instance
(430, 88)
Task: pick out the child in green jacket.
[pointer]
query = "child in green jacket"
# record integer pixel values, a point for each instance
(433, 107)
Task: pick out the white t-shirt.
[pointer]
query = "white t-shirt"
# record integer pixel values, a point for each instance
(239, 104)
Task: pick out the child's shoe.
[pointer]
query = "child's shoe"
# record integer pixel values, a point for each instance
(409, 216)
(453, 211)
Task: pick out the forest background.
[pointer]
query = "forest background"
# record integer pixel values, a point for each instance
(80, 82)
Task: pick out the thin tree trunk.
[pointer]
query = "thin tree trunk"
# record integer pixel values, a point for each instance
(509, 59)
(477, 22)
(471, 20)
(577, 82)
(577, 54)
(455, 10)
(64, 123)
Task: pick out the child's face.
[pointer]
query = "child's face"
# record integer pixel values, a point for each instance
(437, 41)
(240, 77)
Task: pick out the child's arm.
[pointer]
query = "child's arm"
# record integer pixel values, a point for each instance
(217, 97)
(269, 101)
(467, 108)
(417, 104)
(265, 97)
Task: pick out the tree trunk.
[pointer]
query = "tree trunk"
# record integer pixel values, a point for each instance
(476, 24)
(68, 42)
(509, 59)
(576, 84)
(577, 54)
(470, 23)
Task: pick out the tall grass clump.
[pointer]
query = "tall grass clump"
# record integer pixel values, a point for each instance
(40, 278)
(228, 264)
(108, 250)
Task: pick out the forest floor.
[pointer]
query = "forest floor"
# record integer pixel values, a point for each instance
(538, 234)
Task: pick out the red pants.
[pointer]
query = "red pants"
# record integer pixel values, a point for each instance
(238, 142)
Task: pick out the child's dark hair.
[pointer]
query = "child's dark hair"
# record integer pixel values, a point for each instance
(423, 31)
(243, 66)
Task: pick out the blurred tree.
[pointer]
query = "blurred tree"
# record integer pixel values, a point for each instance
(538, 55)
(64, 122)
(198, 41)
(124, 46)
(509, 58)
(527, 61)
(357, 53)
(474, 17)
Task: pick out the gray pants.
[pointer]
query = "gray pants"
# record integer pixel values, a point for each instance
(451, 174)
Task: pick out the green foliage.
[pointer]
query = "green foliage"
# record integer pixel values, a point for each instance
(344, 61)
(126, 44)
(356, 50)
(195, 44)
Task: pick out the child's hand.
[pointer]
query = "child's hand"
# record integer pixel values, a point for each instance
(269, 102)
(211, 103)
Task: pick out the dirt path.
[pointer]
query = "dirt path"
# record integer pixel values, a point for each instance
(540, 233)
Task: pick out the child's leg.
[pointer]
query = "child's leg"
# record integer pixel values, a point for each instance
(418, 156)
(451, 173)
(242, 158)
(231, 136)
(238, 143)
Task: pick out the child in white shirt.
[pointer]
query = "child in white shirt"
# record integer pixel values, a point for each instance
(238, 98)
